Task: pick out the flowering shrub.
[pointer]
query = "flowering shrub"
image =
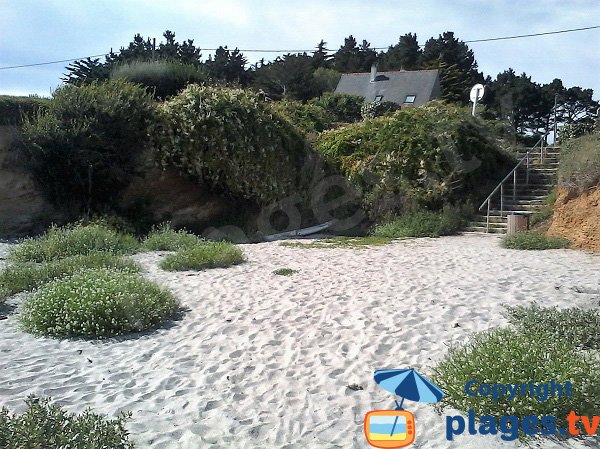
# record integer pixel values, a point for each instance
(306, 117)
(48, 426)
(73, 240)
(342, 107)
(98, 302)
(232, 140)
(377, 109)
(164, 238)
(23, 276)
(202, 256)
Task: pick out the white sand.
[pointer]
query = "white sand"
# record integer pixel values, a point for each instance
(263, 360)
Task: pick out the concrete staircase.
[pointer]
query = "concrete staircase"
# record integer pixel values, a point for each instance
(527, 198)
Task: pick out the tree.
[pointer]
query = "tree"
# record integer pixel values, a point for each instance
(457, 65)
(86, 71)
(228, 65)
(405, 54)
(354, 58)
(321, 57)
(290, 77)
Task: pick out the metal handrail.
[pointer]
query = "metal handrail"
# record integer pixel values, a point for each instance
(512, 173)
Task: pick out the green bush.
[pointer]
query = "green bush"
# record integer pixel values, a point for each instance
(73, 240)
(419, 157)
(378, 109)
(48, 426)
(307, 118)
(507, 356)
(342, 107)
(162, 78)
(14, 110)
(202, 256)
(24, 276)
(84, 148)
(580, 162)
(100, 302)
(546, 211)
(164, 238)
(232, 140)
(577, 326)
(422, 224)
(533, 240)
(284, 271)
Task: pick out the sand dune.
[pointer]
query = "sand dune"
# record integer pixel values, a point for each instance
(260, 360)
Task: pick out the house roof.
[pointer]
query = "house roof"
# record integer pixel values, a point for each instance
(392, 86)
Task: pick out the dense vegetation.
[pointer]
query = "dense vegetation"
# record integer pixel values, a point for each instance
(14, 110)
(83, 148)
(533, 240)
(416, 158)
(507, 356)
(48, 426)
(580, 162)
(306, 117)
(232, 140)
(423, 224)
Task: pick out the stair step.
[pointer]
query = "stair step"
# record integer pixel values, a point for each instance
(483, 229)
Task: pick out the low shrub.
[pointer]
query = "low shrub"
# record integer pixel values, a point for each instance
(165, 238)
(72, 240)
(422, 224)
(508, 356)
(580, 162)
(533, 240)
(99, 302)
(306, 117)
(575, 325)
(25, 276)
(546, 211)
(203, 256)
(342, 107)
(46, 425)
(162, 78)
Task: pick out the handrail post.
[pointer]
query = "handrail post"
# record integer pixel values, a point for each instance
(515, 185)
(501, 200)
(487, 224)
(527, 168)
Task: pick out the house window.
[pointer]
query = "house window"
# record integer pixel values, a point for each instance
(410, 99)
(379, 98)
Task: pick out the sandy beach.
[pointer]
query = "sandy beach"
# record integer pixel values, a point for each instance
(264, 361)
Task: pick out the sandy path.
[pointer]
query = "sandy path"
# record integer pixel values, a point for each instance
(263, 361)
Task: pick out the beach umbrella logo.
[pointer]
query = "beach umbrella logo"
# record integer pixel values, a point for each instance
(396, 428)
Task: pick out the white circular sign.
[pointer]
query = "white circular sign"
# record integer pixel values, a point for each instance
(477, 92)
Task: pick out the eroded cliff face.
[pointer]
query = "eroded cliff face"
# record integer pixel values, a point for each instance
(164, 196)
(577, 217)
(23, 210)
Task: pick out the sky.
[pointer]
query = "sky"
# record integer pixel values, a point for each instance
(34, 31)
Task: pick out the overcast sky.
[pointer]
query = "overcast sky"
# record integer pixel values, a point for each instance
(33, 31)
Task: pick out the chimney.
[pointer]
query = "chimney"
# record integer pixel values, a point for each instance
(373, 72)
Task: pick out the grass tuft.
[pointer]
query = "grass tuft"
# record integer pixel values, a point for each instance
(164, 238)
(25, 276)
(202, 256)
(284, 271)
(341, 242)
(421, 224)
(73, 240)
(533, 240)
(100, 302)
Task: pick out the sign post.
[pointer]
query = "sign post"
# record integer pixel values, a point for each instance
(477, 92)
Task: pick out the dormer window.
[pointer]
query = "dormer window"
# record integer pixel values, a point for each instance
(378, 98)
(410, 99)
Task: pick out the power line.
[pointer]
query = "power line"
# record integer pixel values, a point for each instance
(312, 49)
